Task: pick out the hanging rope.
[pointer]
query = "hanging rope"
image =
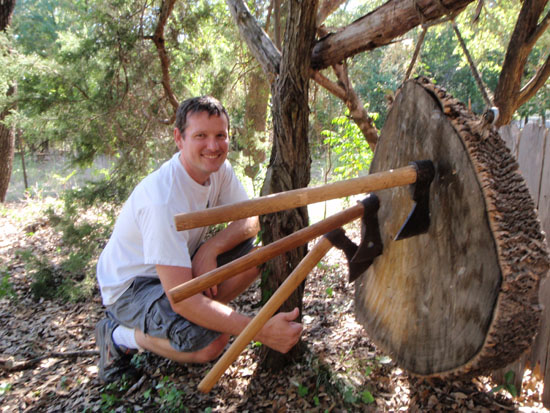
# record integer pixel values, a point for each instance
(416, 52)
(426, 24)
(473, 67)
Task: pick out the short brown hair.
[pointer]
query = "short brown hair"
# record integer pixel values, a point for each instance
(205, 103)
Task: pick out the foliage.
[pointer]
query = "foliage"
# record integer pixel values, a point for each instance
(169, 397)
(112, 392)
(6, 287)
(349, 146)
(118, 108)
(487, 40)
(70, 274)
(508, 385)
(329, 382)
(4, 388)
(250, 159)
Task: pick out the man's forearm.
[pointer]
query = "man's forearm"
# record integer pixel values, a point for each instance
(211, 314)
(233, 235)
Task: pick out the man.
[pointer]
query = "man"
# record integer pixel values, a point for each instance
(146, 256)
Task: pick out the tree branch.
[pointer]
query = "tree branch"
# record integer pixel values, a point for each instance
(507, 92)
(541, 28)
(356, 108)
(8, 365)
(158, 39)
(328, 84)
(535, 83)
(375, 29)
(326, 9)
(259, 43)
(380, 27)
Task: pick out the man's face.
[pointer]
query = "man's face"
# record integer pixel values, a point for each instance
(204, 147)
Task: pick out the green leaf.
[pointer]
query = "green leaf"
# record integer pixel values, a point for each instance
(367, 397)
(349, 397)
(4, 388)
(512, 390)
(509, 376)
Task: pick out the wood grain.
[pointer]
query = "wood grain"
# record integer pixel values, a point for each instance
(463, 298)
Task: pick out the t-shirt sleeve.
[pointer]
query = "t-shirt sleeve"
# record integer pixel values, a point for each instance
(162, 243)
(232, 190)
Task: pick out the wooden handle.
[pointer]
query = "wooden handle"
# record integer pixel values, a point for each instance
(283, 292)
(296, 198)
(259, 256)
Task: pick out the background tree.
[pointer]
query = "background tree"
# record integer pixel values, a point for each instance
(289, 166)
(108, 76)
(7, 132)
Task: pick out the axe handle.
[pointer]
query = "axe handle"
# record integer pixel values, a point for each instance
(277, 299)
(297, 198)
(261, 255)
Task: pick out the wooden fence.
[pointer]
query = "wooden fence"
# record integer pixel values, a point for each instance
(531, 147)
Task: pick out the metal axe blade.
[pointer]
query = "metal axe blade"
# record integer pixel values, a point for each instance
(418, 220)
(361, 257)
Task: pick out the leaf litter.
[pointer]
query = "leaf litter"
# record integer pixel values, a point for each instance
(48, 358)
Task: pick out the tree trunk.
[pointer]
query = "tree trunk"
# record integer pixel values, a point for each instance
(508, 95)
(255, 119)
(376, 29)
(289, 166)
(380, 27)
(257, 99)
(7, 134)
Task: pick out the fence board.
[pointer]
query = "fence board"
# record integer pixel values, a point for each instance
(531, 157)
(531, 147)
(540, 354)
(544, 195)
(511, 135)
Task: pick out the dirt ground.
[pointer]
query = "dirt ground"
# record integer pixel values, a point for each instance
(48, 359)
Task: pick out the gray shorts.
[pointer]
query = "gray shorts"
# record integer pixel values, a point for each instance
(145, 306)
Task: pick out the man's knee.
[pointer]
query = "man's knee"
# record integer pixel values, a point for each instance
(212, 351)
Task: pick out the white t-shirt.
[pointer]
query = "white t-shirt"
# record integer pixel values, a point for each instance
(145, 232)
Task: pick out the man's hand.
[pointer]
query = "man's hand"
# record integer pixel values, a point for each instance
(203, 262)
(281, 332)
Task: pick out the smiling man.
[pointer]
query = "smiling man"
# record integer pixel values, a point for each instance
(146, 256)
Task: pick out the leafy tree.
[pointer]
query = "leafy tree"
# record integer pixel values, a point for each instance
(8, 88)
(97, 86)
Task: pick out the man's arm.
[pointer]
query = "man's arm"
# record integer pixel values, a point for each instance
(228, 238)
(280, 333)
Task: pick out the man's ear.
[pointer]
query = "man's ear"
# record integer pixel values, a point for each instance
(178, 138)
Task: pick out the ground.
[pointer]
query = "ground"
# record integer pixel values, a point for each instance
(48, 358)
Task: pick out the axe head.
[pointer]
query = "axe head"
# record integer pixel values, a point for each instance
(418, 220)
(361, 257)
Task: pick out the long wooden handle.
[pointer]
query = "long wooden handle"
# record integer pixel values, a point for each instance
(277, 299)
(297, 198)
(259, 256)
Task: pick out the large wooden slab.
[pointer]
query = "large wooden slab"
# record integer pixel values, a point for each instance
(444, 303)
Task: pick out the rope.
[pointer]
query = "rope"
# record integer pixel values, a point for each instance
(473, 68)
(416, 51)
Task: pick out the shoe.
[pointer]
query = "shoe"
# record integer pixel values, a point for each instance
(114, 361)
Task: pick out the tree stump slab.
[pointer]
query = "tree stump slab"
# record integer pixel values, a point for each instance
(461, 299)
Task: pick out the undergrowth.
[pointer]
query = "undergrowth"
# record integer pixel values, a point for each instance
(68, 272)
